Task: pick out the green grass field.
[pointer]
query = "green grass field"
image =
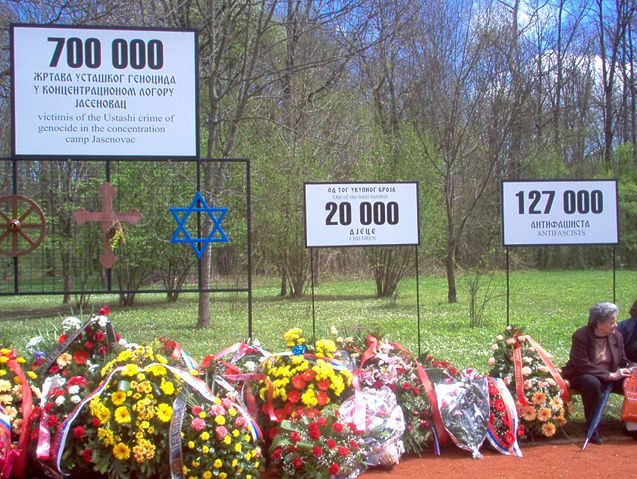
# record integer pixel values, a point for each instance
(550, 305)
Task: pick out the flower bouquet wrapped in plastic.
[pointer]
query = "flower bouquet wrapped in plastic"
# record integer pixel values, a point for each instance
(384, 424)
(387, 364)
(464, 407)
(237, 368)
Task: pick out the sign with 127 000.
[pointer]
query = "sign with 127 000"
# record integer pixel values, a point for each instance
(361, 214)
(104, 92)
(559, 212)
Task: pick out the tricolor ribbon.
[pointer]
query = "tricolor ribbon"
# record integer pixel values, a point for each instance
(5, 444)
(43, 448)
(175, 454)
(511, 413)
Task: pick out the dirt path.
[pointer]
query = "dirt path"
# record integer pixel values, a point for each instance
(617, 458)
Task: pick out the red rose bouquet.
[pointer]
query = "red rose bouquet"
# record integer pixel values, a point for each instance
(318, 448)
(503, 425)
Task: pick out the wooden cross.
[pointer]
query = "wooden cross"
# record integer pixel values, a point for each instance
(109, 219)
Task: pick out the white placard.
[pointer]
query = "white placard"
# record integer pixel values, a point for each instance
(361, 214)
(86, 92)
(559, 212)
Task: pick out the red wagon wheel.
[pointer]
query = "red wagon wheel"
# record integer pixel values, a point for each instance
(22, 225)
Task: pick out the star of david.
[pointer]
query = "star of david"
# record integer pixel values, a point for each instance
(216, 215)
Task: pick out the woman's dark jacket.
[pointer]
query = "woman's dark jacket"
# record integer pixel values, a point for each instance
(583, 354)
(628, 328)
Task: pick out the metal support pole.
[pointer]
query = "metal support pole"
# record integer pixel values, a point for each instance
(16, 265)
(418, 299)
(109, 271)
(614, 273)
(312, 284)
(507, 274)
(249, 234)
(199, 268)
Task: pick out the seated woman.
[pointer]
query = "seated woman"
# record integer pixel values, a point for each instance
(597, 359)
(628, 328)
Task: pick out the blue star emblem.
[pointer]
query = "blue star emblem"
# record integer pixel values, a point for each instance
(216, 215)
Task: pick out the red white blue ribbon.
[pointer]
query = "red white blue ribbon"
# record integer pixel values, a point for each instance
(60, 438)
(5, 438)
(512, 414)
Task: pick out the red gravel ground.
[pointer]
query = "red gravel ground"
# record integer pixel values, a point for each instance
(617, 458)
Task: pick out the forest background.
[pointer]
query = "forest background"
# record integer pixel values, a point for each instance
(456, 95)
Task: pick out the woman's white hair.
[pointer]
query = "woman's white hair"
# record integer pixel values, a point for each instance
(601, 312)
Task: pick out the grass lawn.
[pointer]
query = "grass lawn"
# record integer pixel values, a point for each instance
(550, 305)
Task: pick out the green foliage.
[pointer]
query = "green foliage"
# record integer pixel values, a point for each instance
(546, 163)
(627, 185)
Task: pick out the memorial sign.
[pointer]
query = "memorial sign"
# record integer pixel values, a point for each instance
(559, 212)
(361, 214)
(104, 92)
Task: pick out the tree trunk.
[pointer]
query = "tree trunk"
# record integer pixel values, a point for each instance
(450, 261)
(283, 290)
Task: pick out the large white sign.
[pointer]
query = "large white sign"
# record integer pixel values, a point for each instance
(86, 92)
(559, 212)
(361, 214)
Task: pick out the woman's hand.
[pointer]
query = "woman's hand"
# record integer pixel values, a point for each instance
(619, 374)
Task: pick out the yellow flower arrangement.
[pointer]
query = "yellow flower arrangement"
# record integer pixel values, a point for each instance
(133, 412)
(301, 383)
